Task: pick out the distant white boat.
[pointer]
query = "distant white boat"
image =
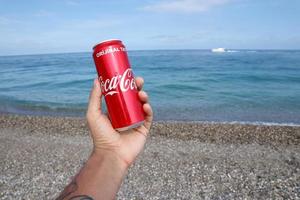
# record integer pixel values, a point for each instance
(218, 50)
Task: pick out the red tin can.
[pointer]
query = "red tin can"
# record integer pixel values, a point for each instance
(118, 85)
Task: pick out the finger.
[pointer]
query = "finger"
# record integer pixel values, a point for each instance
(139, 83)
(94, 107)
(143, 96)
(149, 115)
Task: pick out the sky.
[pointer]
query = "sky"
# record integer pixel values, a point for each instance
(40, 26)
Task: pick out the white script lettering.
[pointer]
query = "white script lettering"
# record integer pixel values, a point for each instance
(126, 82)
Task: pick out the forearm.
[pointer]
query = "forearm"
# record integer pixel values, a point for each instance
(100, 178)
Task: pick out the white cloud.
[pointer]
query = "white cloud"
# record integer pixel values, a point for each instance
(7, 21)
(72, 3)
(185, 5)
(44, 13)
(90, 24)
(165, 38)
(183, 38)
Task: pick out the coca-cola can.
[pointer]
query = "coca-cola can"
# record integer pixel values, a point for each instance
(118, 85)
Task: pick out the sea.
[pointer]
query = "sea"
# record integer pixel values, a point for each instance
(236, 86)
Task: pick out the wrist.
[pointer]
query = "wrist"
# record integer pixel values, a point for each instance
(109, 158)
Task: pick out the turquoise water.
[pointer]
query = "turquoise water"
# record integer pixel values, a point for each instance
(185, 85)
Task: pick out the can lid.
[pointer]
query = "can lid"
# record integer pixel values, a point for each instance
(107, 41)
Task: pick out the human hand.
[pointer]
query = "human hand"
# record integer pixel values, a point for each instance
(102, 174)
(125, 145)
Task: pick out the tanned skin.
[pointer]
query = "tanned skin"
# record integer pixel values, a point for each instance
(113, 152)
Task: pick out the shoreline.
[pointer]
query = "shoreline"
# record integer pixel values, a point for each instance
(213, 132)
(81, 116)
(255, 123)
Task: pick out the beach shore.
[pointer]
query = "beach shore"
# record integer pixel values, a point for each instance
(181, 160)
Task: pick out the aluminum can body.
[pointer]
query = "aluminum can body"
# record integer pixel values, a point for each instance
(118, 85)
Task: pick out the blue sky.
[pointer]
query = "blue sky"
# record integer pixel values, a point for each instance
(37, 26)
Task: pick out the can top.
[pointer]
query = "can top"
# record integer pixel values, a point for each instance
(105, 42)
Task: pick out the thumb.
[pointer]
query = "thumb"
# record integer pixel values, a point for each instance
(98, 122)
(94, 107)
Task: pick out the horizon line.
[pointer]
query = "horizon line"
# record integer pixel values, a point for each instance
(191, 49)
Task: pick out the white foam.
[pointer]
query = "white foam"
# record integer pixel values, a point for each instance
(232, 51)
(237, 122)
(262, 123)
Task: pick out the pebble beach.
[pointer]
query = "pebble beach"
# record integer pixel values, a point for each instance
(182, 160)
(222, 78)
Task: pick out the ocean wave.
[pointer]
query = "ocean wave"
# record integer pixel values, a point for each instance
(239, 85)
(16, 106)
(232, 51)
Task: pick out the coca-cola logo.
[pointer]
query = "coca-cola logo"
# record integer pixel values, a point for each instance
(125, 81)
